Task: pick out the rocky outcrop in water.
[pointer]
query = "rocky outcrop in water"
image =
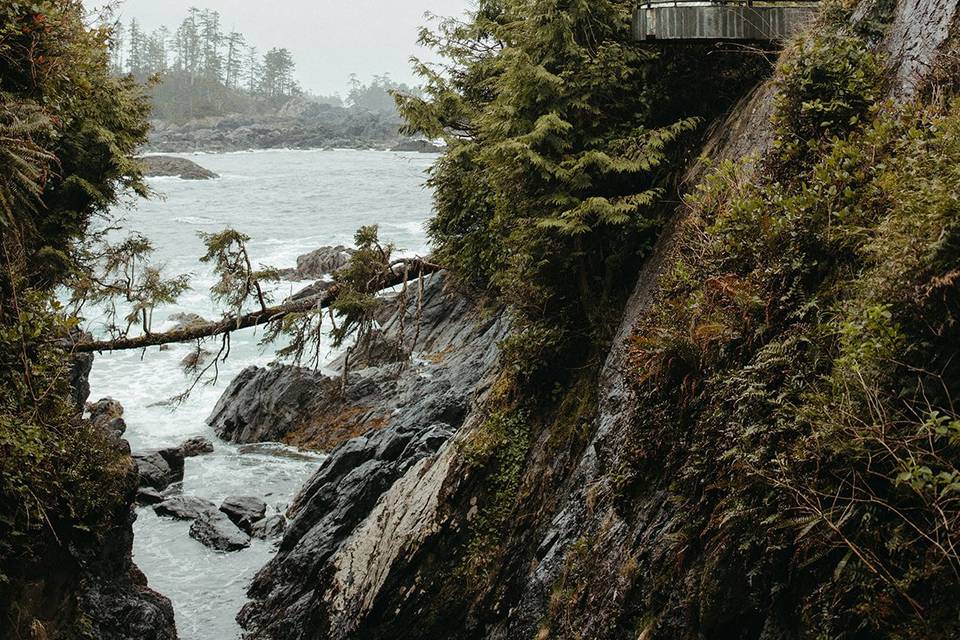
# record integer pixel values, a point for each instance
(159, 469)
(409, 411)
(196, 446)
(215, 530)
(244, 511)
(173, 167)
(319, 263)
(306, 408)
(183, 507)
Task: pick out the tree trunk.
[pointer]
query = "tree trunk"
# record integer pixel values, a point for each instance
(246, 321)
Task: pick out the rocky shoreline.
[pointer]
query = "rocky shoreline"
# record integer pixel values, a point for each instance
(93, 585)
(297, 126)
(173, 167)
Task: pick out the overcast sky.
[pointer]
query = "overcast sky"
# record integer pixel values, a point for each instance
(330, 39)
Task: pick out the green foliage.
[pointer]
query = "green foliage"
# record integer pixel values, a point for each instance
(121, 273)
(352, 312)
(358, 283)
(201, 71)
(68, 132)
(23, 162)
(501, 445)
(801, 361)
(559, 155)
(828, 84)
(238, 281)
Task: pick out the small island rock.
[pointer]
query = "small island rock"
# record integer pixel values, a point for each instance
(215, 530)
(183, 507)
(244, 510)
(170, 166)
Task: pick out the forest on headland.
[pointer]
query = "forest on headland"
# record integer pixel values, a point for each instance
(725, 403)
(202, 74)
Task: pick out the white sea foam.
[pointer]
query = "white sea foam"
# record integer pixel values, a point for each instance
(291, 203)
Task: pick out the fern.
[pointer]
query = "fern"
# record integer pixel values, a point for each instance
(24, 163)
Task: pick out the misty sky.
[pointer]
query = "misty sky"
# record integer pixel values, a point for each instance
(330, 39)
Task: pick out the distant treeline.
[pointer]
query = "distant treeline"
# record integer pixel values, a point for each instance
(204, 71)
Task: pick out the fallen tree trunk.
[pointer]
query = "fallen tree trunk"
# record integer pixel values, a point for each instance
(416, 268)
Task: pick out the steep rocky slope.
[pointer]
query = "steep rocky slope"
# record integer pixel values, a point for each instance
(593, 549)
(405, 412)
(93, 588)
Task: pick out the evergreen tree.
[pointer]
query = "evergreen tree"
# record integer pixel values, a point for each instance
(557, 158)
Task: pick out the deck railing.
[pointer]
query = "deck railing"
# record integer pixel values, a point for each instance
(737, 20)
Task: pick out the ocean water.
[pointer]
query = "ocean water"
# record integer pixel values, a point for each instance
(289, 203)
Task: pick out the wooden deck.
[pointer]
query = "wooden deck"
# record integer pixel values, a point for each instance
(699, 21)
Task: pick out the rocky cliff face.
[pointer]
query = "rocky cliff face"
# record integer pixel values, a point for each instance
(91, 588)
(407, 413)
(453, 347)
(376, 552)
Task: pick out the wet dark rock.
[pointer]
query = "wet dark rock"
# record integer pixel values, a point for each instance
(311, 291)
(305, 408)
(108, 414)
(89, 583)
(115, 599)
(169, 166)
(243, 511)
(80, 366)
(183, 507)
(175, 489)
(159, 469)
(149, 495)
(263, 405)
(196, 446)
(270, 527)
(417, 409)
(195, 359)
(215, 530)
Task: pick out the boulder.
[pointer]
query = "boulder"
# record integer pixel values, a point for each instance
(311, 291)
(186, 321)
(159, 469)
(183, 507)
(243, 511)
(170, 166)
(318, 263)
(195, 359)
(263, 405)
(215, 530)
(196, 446)
(108, 414)
(149, 495)
(270, 527)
